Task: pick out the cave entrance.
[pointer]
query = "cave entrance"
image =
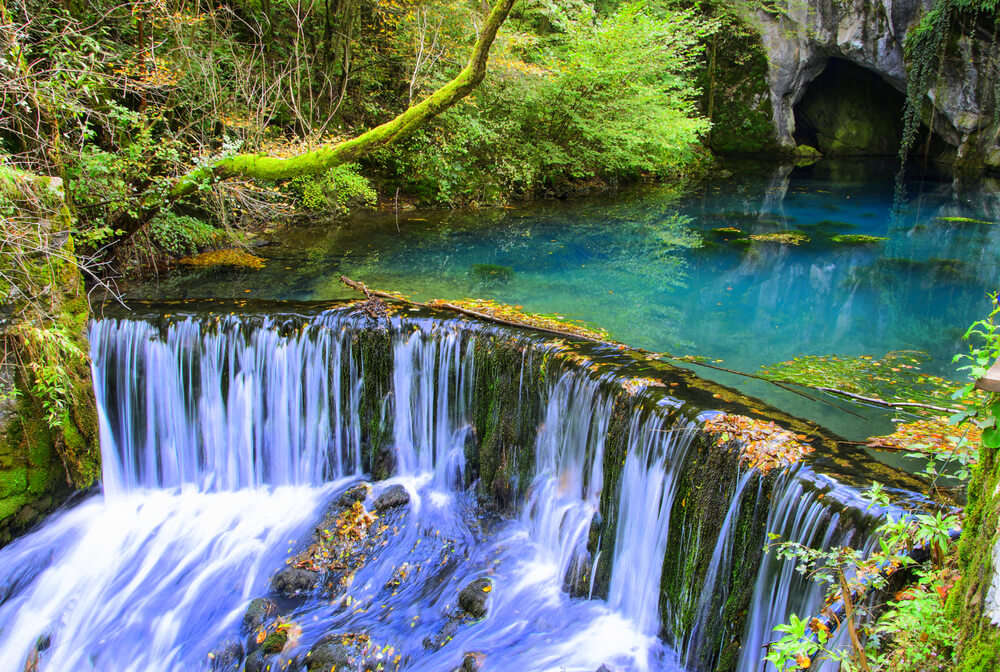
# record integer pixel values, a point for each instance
(850, 111)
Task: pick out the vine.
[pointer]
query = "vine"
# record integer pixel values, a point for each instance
(925, 48)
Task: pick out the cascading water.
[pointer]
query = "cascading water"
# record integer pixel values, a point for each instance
(223, 439)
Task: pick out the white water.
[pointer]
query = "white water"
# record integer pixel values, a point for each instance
(220, 442)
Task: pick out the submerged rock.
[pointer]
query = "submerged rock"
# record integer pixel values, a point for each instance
(342, 652)
(292, 581)
(472, 599)
(256, 662)
(258, 613)
(395, 496)
(226, 658)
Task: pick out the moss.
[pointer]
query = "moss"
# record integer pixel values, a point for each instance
(962, 220)
(373, 350)
(857, 239)
(51, 437)
(274, 642)
(13, 482)
(506, 410)
(736, 95)
(782, 237)
(979, 639)
(9, 506)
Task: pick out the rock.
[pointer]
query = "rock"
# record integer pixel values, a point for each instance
(604, 668)
(256, 662)
(442, 637)
(275, 642)
(395, 496)
(471, 662)
(800, 40)
(227, 658)
(292, 581)
(260, 611)
(353, 494)
(472, 599)
(327, 655)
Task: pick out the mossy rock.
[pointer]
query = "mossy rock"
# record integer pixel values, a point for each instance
(857, 239)
(782, 237)
(963, 220)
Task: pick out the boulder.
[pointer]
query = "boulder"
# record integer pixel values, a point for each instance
(473, 598)
(356, 493)
(292, 582)
(395, 496)
(260, 611)
(326, 655)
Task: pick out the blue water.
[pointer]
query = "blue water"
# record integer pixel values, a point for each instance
(651, 267)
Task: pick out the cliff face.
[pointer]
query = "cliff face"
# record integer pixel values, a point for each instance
(800, 37)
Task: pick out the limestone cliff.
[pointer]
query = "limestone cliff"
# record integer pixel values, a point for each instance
(800, 37)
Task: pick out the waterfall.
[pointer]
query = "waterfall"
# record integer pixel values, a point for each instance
(227, 407)
(649, 481)
(223, 438)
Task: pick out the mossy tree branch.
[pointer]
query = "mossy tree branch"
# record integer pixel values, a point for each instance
(264, 167)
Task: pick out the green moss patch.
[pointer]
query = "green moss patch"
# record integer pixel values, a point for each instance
(963, 220)
(857, 239)
(782, 237)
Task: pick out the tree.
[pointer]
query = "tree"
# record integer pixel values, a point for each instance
(263, 167)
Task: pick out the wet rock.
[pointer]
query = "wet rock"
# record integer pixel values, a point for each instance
(43, 642)
(227, 658)
(293, 581)
(356, 493)
(442, 637)
(395, 496)
(604, 668)
(260, 611)
(472, 599)
(256, 662)
(328, 654)
(275, 642)
(384, 462)
(472, 662)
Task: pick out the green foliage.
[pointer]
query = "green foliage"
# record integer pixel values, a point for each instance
(984, 349)
(336, 191)
(52, 355)
(925, 49)
(603, 101)
(805, 642)
(178, 235)
(914, 634)
(103, 180)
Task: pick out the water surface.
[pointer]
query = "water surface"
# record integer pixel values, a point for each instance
(680, 272)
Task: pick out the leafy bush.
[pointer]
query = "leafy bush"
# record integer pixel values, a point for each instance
(336, 191)
(608, 100)
(179, 235)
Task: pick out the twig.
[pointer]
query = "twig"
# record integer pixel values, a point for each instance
(883, 402)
